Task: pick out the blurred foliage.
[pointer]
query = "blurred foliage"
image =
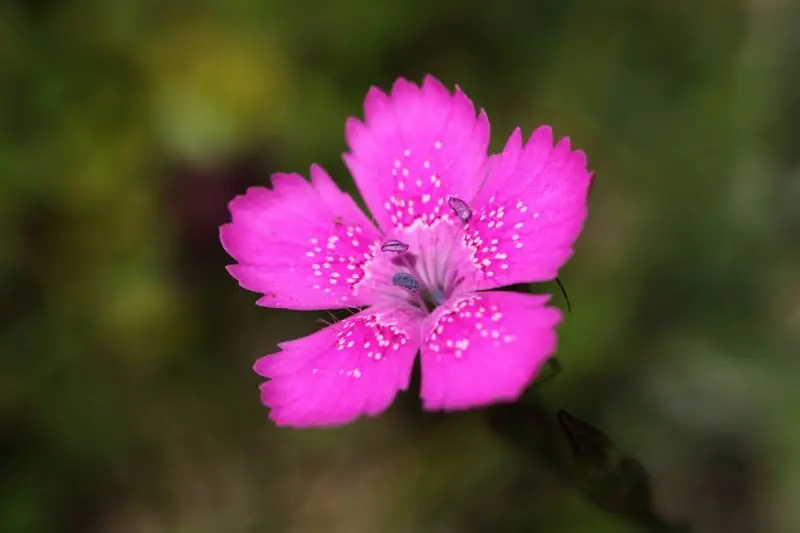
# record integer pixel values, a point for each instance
(127, 403)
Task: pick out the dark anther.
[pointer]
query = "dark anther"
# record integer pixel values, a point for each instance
(460, 208)
(406, 281)
(393, 245)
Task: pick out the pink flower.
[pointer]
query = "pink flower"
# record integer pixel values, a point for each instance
(453, 224)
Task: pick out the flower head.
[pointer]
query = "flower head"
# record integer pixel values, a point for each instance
(452, 224)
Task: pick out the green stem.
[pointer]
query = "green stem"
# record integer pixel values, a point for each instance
(584, 455)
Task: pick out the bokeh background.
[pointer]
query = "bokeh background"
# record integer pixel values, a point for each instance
(127, 401)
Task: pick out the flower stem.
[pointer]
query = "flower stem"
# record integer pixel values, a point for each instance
(609, 479)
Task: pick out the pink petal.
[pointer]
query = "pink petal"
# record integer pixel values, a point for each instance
(342, 372)
(417, 146)
(530, 211)
(483, 348)
(301, 245)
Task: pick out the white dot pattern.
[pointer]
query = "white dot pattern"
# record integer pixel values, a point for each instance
(337, 261)
(497, 232)
(465, 323)
(366, 335)
(418, 193)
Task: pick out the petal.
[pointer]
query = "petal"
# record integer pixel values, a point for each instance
(342, 372)
(301, 245)
(483, 348)
(417, 146)
(530, 211)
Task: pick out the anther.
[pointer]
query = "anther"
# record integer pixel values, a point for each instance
(394, 245)
(406, 281)
(460, 208)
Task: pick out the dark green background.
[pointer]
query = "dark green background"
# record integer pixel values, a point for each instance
(127, 401)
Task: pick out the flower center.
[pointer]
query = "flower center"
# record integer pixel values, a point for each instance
(424, 264)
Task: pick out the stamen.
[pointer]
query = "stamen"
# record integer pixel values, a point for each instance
(438, 296)
(393, 245)
(406, 281)
(460, 208)
(564, 292)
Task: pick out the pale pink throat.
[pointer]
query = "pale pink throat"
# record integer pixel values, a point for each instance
(424, 264)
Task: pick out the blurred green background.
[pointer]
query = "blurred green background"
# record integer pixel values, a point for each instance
(127, 400)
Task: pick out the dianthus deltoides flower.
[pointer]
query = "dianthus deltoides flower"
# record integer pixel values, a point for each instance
(453, 224)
